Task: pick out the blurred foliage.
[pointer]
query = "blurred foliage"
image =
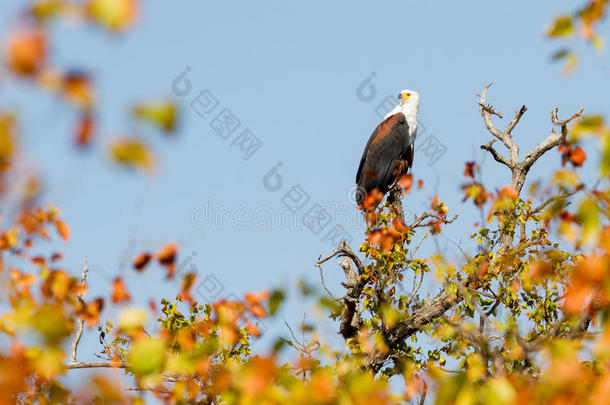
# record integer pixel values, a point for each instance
(582, 24)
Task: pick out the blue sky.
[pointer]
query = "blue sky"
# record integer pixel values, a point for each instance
(289, 72)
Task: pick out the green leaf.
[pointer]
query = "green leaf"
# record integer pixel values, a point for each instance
(588, 213)
(275, 300)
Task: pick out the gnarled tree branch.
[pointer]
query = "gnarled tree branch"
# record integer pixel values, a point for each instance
(519, 170)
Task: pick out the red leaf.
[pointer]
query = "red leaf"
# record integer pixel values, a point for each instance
(470, 168)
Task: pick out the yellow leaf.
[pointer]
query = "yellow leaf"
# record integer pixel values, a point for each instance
(163, 114)
(565, 178)
(132, 152)
(561, 27)
(146, 356)
(48, 362)
(114, 15)
(7, 139)
(131, 319)
(43, 10)
(499, 391)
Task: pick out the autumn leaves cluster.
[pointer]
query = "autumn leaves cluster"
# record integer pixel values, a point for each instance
(26, 53)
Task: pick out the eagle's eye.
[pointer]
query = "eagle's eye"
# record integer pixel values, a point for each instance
(408, 94)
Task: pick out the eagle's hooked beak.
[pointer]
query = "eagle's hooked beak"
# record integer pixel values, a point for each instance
(405, 96)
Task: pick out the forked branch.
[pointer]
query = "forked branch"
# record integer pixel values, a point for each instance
(519, 169)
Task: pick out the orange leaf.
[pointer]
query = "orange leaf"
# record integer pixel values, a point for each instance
(77, 89)
(257, 298)
(578, 156)
(63, 229)
(372, 200)
(38, 260)
(167, 254)
(252, 329)
(90, 312)
(577, 296)
(258, 311)
(371, 218)
(141, 261)
(84, 130)
(119, 291)
(405, 182)
(167, 257)
(508, 191)
(470, 168)
(25, 51)
(187, 284)
(400, 226)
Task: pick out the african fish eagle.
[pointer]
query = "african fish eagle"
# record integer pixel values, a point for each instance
(389, 152)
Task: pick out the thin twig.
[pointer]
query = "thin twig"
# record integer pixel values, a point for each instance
(551, 200)
(417, 287)
(319, 266)
(95, 364)
(496, 155)
(81, 322)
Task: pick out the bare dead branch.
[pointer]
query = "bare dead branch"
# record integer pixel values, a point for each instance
(559, 122)
(553, 140)
(519, 170)
(343, 250)
(515, 121)
(416, 288)
(350, 314)
(81, 323)
(418, 222)
(94, 364)
(487, 111)
(395, 202)
(496, 155)
(324, 283)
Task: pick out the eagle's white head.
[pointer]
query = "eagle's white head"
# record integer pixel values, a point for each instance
(409, 98)
(408, 104)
